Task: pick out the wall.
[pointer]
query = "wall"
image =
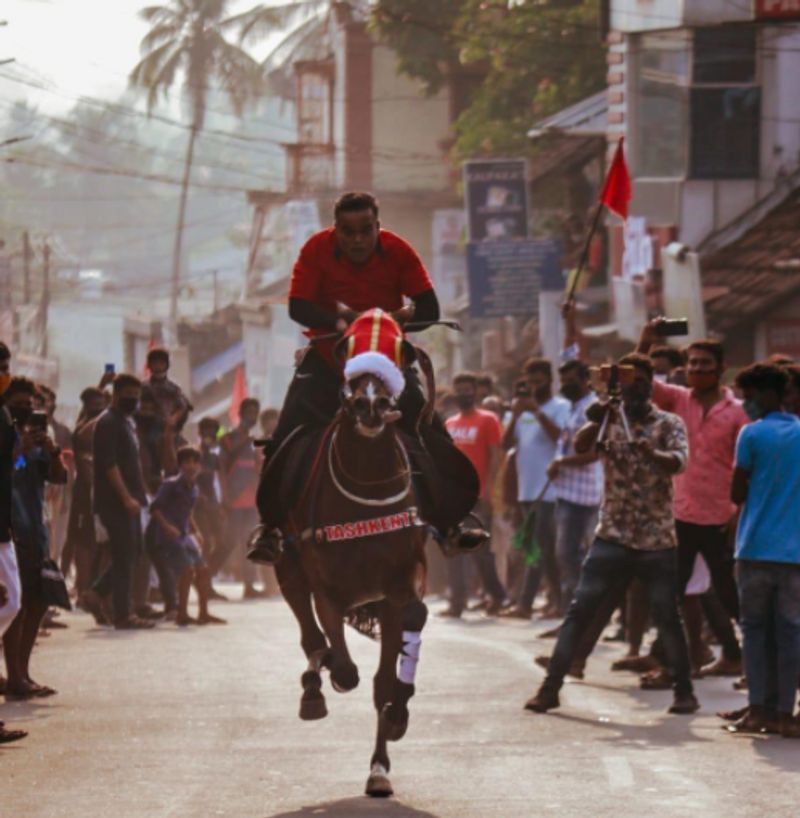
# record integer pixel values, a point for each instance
(700, 207)
(650, 15)
(407, 130)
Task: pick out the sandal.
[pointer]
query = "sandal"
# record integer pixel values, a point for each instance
(656, 680)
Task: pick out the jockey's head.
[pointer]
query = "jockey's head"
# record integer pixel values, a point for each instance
(369, 404)
(357, 226)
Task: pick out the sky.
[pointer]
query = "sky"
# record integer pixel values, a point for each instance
(85, 47)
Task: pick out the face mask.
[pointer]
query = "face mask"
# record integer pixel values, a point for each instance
(145, 421)
(571, 391)
(127, 405)
(542, 394)
(753, 410)
(248, 424)
(5, 380)
(465, 402)
(20, 414)
(702, 380)
(94, 413)
(660, 378)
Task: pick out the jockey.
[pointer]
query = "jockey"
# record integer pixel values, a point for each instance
(341, 272)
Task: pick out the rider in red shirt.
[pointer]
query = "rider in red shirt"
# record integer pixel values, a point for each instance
(341, 272)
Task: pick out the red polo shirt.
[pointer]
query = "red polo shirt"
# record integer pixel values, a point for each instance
(323, 276)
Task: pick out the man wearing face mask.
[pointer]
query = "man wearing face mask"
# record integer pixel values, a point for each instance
(578, 480)
(702, 506)
(766, 483)
(173, 406)
(119, 497)
(81, 544)
(537, 421)
(635, 537)
(477, 434)
(240, 468)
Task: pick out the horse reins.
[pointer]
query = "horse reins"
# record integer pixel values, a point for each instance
(368, 501)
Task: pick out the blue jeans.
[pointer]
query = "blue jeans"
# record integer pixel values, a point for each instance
(574, 528)
(608, 569)
(769, 604)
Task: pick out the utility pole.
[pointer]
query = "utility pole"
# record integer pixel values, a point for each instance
(26, 268)
(45, 305)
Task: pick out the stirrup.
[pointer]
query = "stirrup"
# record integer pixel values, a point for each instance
(265, 545)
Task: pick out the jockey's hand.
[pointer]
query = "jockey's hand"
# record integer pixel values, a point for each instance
(404, 314)
(341, 326)
(552, 469)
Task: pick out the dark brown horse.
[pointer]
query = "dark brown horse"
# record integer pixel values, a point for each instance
(355, 539)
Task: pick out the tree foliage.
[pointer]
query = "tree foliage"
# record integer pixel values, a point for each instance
(533, 57)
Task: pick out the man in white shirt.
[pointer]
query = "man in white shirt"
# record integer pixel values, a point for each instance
(537, 421)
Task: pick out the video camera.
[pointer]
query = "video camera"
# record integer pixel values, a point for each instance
(613, 377)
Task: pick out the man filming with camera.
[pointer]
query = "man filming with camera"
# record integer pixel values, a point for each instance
(642, 447)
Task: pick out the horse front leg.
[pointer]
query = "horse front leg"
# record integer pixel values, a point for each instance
(401, 639)
(344, 673)
(297, 593)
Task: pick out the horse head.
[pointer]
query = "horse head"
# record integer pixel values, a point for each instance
(369, 405)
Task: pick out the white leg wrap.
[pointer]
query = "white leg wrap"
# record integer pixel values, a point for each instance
(409, 656)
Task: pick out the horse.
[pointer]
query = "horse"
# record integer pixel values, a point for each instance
(355, 539)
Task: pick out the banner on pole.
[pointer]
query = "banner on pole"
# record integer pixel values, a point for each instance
(496, 193)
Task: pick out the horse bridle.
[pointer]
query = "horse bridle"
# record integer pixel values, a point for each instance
(368, 501)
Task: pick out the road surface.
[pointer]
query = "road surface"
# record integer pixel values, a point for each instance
(198, 722)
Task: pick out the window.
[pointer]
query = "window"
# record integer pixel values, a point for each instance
(725, 125)
(725, 104)
(314, 110)
(698, 108)
(662, 116)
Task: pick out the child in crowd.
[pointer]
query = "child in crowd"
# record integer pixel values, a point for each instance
(175, 537)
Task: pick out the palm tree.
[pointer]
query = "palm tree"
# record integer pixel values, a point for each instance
(187, 45)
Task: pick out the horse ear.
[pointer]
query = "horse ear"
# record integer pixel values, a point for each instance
(409, 354)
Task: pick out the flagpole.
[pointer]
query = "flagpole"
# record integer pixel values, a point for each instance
(585, 253)
(615, 195)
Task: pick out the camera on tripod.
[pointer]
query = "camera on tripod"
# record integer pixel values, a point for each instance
(613, 377)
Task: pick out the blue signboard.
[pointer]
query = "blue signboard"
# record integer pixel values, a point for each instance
(496, 192)
(505, 277)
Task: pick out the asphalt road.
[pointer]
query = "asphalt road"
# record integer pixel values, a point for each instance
(203, 722)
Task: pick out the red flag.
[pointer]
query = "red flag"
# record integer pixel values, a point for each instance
(617, 188)
(238, 395)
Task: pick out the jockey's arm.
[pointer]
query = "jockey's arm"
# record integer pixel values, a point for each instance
(310, 315)
(426, 311)
(426, 308)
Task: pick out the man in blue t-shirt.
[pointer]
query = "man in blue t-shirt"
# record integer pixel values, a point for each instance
(766, 484)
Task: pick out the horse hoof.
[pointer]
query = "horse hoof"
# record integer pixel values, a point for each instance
(344, 678)
(313, 708)
(378, 784)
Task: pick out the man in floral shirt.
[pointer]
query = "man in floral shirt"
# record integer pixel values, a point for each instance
(635, 537)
